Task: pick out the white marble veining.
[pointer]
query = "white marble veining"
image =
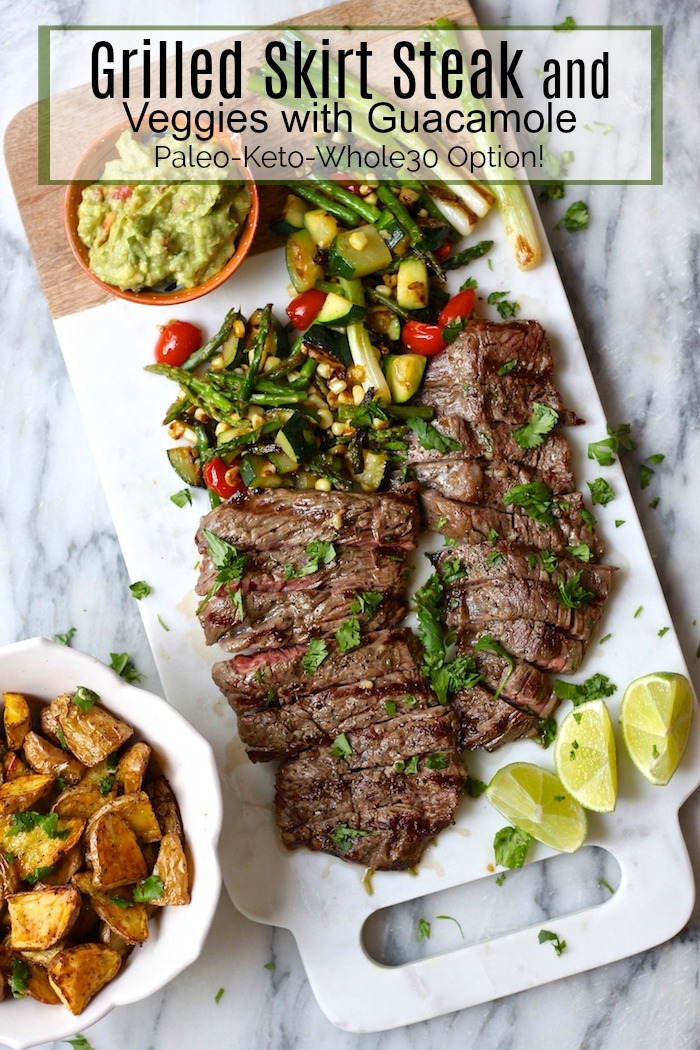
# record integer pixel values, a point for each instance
(632, 279)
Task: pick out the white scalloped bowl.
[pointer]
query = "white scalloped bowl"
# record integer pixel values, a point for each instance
(43, 670)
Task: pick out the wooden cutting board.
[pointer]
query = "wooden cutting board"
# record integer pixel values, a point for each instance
(67, 289)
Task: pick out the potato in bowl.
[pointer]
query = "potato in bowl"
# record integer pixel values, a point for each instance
(110, 811)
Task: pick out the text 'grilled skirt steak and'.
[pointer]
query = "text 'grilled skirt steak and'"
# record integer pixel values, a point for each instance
(371, 761)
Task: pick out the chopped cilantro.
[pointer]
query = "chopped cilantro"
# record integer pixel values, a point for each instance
(30, 819)
(348, 635)
(582, 552)
(182, 498)
(547, 729)
(140, 589)
(573, 594)
(37, 874)
(219, 995)
(493, 536)
(552, 191)
(120, 902)
(535, 499)
(500, 879)
(150, 889)
(566, 26)
(106, 784)
(61, 738)
(341, 747)
(657, 458)
(575, 217)
(542, 420)
(510, 846)
(506, 368)
(314, 656)
(469, 283)
(270, 966)
(367, 602)
(423, 930)
(430, 437)
(663, 631)
(605, 638)
(390, 708)
(488, 644)
(320, 552)
(587, 517)
(452, 571)
(473, 787)
(344, 837)
(410, 701)
(65, 639)
(601, 492)
(494, 558)
(505, 307)
(227, 561)
(124, 666)
(549, 560)
(645, 475)
(595, 688)
(654, 503)
(163, 624)
(79, 1042)
(449, 918)
(19, 978)
(412, 765)
(452, 330)
(436, 761)
(547, 935)
(618, 522)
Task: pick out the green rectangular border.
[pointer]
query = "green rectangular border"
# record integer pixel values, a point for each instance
(656, 91)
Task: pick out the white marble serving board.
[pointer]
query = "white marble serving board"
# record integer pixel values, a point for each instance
(323, 900)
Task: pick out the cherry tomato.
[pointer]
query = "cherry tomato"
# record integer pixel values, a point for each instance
(177, 340)
(443, 252)
(460, 305)
(304, 310)
(421, 338)
(121, 193)
(215, 477)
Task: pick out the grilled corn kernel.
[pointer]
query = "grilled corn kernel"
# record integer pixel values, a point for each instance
(201, 416)
(176, 429)
(365, 189)
(256, 418)
(384, 289)
(366, 683)
(238, 329)
(337, 386)
(217, 363)
(339, 136)
(325, 371)
(423, 214)
(267, 470)
(337, 520)
(345, 398)
(342, 430)
(380, 424)
(355, 374)
(372, 198)
(358, 240)
(292, 377)
(357, 394)
(231, 475)
(270, 363)
(325, 418)
(323, 485)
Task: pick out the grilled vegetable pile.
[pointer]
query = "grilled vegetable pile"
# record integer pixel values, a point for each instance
(261, 407)
(91, 843)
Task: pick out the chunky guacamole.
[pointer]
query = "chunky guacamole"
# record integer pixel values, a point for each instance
(156, 234)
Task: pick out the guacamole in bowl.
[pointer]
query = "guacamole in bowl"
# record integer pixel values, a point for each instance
(150, 233)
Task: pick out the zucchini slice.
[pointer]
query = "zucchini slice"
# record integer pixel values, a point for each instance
(292, 218)
(412, 285)
(355, 253)
(404, 374)
(296, 439)
(376, 471)
(300, 253)
(337, 310)
(322, 227)
(184, 462)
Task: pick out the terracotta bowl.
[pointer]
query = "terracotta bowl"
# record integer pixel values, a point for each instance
(94, 159)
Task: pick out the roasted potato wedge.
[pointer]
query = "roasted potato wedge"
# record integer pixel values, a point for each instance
(137, 811)
(35, 849)
(77, 974)
(43, 757)
(171, 867)
(9, 877)
(13, 766)
(42, 956)
(41, 918)
(132, 767)
(39, 986)
(22, 792)
(65, 868)
(113, 852)
(113, 940)
(84, 799)
(17, 719)
(48, 720)
(90, 735)
(165, 806)
(130, 923)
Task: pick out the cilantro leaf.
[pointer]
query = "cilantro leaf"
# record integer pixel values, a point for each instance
(229, 564)
(505, 307)
(552, 191)
(341, 747)
(367, 603)
(582, 552)
(645, 475)
(473, 787)
(182, 498)
(344, 837)
(106, 784)
(79, 1042)
(37, 874)
(150, 889)
(452, 571)
(601, 492)
(452, 330)
(219, 995)
(140, 589)
(348, 636)
(547, 730)
(535, 499)
(437, 760)
(547, 935)
(566, 26)
(19, 978)
(429, 603)
(549, 560)
(124, 666)
(390, 708)
(430, 437)
(85, 698)
(510, 846)
(30, 819)
(506, 368)
(596, 687)
(470, 282)
(67, 638)
(423, 930)
(314, 656)
(488, 644)
(120, 902)
(320, 552)
(575, 217)
(573, 594)
(542, 420)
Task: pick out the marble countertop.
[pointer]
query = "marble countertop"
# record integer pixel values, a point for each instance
(632, 280)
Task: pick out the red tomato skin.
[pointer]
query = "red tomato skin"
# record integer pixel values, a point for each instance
(305, 308)
(215, 477)
(421, 338)
(176, 342)
(460, 305)
(443, 252)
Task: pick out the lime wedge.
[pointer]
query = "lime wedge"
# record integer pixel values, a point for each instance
(656, 714)
(536, 801)
(584, 756)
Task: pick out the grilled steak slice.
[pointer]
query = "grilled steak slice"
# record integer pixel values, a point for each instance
(352, 569)
(503, 561)
(493, 441)
(515, 599)
(274, 620)
(474, 481)
(246, 681)
(547, 647)
(499, 399)
(274, 518)
(472, 524)
(521, 684)
(487, 722)
(281, 731)
(484, 347)
(376, 817)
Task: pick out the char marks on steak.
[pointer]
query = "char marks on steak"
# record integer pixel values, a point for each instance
(541, 644)
(488, 722)
(515, 599)
(468, 481)
(275, 518)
